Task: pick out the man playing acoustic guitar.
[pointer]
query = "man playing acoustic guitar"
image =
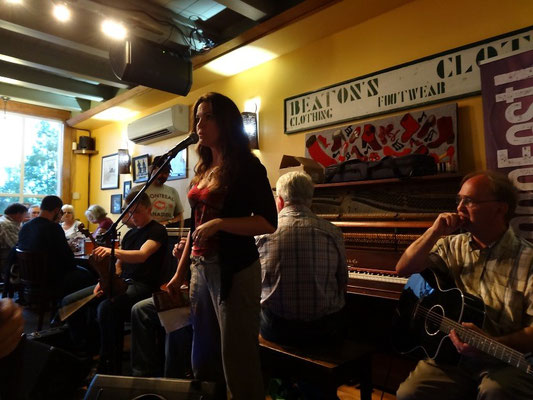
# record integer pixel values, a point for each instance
(490, 262)
(138, 263)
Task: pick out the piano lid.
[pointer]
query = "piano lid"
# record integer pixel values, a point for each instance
(417, 198)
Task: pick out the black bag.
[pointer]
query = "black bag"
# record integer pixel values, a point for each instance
(387, 167)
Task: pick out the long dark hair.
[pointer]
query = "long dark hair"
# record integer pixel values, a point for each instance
(233, 141)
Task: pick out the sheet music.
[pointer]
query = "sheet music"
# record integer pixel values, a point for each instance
(172, 315)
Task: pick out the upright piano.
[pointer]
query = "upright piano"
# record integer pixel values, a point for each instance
(379, 220)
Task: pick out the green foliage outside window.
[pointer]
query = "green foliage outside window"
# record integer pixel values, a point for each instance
(29, 168)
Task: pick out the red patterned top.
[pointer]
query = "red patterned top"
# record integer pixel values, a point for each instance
(207, 205)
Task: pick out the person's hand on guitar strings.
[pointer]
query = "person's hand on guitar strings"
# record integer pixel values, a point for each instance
(98, 290)
(464, 348)
(101, 252)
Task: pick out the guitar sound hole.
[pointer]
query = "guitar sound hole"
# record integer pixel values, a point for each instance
(433, 320)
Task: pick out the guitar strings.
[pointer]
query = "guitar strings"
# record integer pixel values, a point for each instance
(517, 357)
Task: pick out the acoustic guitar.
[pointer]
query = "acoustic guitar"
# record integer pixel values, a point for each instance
(102, 269)
(427, 313)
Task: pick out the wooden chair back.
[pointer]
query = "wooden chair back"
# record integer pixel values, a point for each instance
(35, 287)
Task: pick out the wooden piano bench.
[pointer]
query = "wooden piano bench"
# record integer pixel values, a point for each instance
(328, 366)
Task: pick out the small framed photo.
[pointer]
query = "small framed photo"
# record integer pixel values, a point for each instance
(127, 188)
(116, 203)
(140, 168)
(110, 176)
(179, 166)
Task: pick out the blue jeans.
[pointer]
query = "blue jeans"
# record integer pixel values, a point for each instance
(225, 340)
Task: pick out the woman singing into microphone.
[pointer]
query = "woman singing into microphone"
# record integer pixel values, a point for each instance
(231, 202)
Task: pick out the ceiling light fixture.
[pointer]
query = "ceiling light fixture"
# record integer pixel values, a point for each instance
(240, 60)
(61, 12)
(115, 114)
(114, 30)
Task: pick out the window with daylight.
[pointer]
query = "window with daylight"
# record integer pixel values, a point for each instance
(30, 158)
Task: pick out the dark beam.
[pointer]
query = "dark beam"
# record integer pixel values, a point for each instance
(84, 104)
(24, 50)
(41, 98)
(37, 79)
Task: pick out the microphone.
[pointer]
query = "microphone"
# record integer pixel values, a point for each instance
(191, 139)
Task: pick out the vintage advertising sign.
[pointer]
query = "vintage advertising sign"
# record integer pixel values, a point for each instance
(507, 87)
(452, 74)
(432, 131)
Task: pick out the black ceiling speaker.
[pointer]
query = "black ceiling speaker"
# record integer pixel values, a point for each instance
(146, 63)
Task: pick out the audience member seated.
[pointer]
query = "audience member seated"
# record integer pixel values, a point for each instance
(166, 204)
(153, 352)
(138, 263)
(70, 226)
(487, 261)
(43, 234)
(33, 212)
(10, 224)
(97, 215)
(304, 271)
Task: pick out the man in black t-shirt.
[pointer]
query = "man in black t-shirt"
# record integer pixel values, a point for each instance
(138, 262)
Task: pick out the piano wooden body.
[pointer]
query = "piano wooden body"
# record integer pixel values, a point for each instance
(379, 220)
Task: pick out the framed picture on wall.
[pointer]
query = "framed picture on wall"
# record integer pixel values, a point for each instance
(116, 203)
(127, 188)
(140, 168)
(179, 166)
(109, 172)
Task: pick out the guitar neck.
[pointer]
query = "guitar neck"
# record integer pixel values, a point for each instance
(87, 234)
(487, 345)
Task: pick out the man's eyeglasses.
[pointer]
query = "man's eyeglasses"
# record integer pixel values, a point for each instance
(469, 202)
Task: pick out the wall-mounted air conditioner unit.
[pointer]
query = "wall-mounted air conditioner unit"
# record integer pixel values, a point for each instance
(173, 121)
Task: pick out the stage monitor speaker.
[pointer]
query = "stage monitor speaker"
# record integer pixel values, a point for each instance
(146, 63)
(110, 387)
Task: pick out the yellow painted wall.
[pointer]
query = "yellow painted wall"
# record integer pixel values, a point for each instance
(415, 30)
(80, 178)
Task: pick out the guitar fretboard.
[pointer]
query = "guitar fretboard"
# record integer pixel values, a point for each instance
(479, 341)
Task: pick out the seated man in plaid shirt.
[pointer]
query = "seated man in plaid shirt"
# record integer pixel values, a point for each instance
(304, 271)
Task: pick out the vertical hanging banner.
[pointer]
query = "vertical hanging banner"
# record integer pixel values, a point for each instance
(507, 91)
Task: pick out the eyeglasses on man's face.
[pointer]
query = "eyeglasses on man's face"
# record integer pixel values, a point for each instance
(469, 202)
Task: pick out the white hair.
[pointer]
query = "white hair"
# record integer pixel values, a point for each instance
(95, 212)
(295, 188)
(67, 207)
